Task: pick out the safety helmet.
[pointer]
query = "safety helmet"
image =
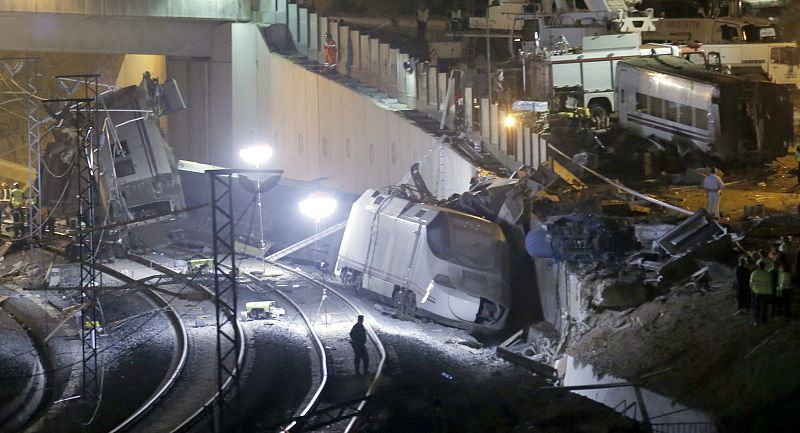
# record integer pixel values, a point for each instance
(4, 184)
(17, 185)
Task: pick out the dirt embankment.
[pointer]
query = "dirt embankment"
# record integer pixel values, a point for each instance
(692, 345)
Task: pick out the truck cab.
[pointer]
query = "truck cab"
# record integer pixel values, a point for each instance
(776, 62)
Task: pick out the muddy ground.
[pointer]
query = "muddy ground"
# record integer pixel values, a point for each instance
(691, 344)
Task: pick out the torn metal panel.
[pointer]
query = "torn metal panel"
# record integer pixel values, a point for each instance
(697, 229)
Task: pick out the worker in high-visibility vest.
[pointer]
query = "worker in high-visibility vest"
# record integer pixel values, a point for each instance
(761, 285)
(17, 209)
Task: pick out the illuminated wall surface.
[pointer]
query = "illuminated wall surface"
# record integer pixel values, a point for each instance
(321, 128)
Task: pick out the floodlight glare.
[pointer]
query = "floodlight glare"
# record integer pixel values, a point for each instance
(318, 205)
(510, 121)
(257, 154)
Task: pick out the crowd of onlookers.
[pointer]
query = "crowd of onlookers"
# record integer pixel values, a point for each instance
(765, 281)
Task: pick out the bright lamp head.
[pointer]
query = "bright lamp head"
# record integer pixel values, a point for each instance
(318, 205)
(256, 154)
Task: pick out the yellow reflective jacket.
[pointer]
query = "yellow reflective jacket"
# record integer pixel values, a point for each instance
(761, 282)
(17, 198)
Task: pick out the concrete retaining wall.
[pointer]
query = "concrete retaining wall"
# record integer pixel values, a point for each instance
(321, 128)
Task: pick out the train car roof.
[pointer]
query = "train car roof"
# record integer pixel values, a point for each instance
(677, 66)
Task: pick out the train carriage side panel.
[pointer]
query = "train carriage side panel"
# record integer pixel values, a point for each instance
(391, 253)
(669, 107)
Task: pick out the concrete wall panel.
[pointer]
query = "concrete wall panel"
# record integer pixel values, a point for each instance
(314, 37)
(232, 10)
(374, 62)
(392, 72)
(292, 21)
(345, 54)
(302, 29)
(79, 34)
(355, 54)
(364, 70)
(311, 143)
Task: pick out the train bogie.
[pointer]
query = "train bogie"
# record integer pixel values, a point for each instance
(435, 261)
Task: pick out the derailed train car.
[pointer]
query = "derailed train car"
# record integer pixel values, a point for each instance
(726, 117)
(137, 177)
(438, 262)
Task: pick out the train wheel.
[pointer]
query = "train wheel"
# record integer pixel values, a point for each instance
(599, 108)
(409, 302)
(352, 279)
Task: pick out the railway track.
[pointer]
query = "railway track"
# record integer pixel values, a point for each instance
(336, 395)
(333, 395)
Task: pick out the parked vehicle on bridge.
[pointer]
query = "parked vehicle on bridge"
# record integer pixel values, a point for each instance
(776, 62)
(688, 106)
(586, 77)
(434, 261)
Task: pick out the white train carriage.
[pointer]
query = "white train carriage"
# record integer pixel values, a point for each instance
(441, 263)
(721, 115)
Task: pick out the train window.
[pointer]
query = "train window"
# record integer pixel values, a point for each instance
(641, 103)
(124, 168)
(656, 107)
(378, 200)
(671, 111)
(464, 240)
(729, 33)
(685, 114)
(700, 118)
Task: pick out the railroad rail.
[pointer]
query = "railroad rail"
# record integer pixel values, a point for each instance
(314, 412)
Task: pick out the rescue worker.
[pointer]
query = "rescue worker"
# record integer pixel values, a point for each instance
(713, 184)
(761, 285)
(5, 193)
(456, 18)
(358, 339)
(331, 52)
(422, 21)
(742, 285)
(783, 295)
(17, 209)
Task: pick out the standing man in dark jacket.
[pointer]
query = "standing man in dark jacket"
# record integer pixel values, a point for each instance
(743, 292)
(358, 339)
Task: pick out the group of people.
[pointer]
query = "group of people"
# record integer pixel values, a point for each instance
(765, 282)
(13, 200)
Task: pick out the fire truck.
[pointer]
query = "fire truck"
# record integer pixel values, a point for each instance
(586, 77)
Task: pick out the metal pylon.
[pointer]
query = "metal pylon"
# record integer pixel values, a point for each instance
(229, 338)
(80, 109)
(35, 222)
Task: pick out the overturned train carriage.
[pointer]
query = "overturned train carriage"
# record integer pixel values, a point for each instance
(438, 262)
(138, 177)
(687, 106)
